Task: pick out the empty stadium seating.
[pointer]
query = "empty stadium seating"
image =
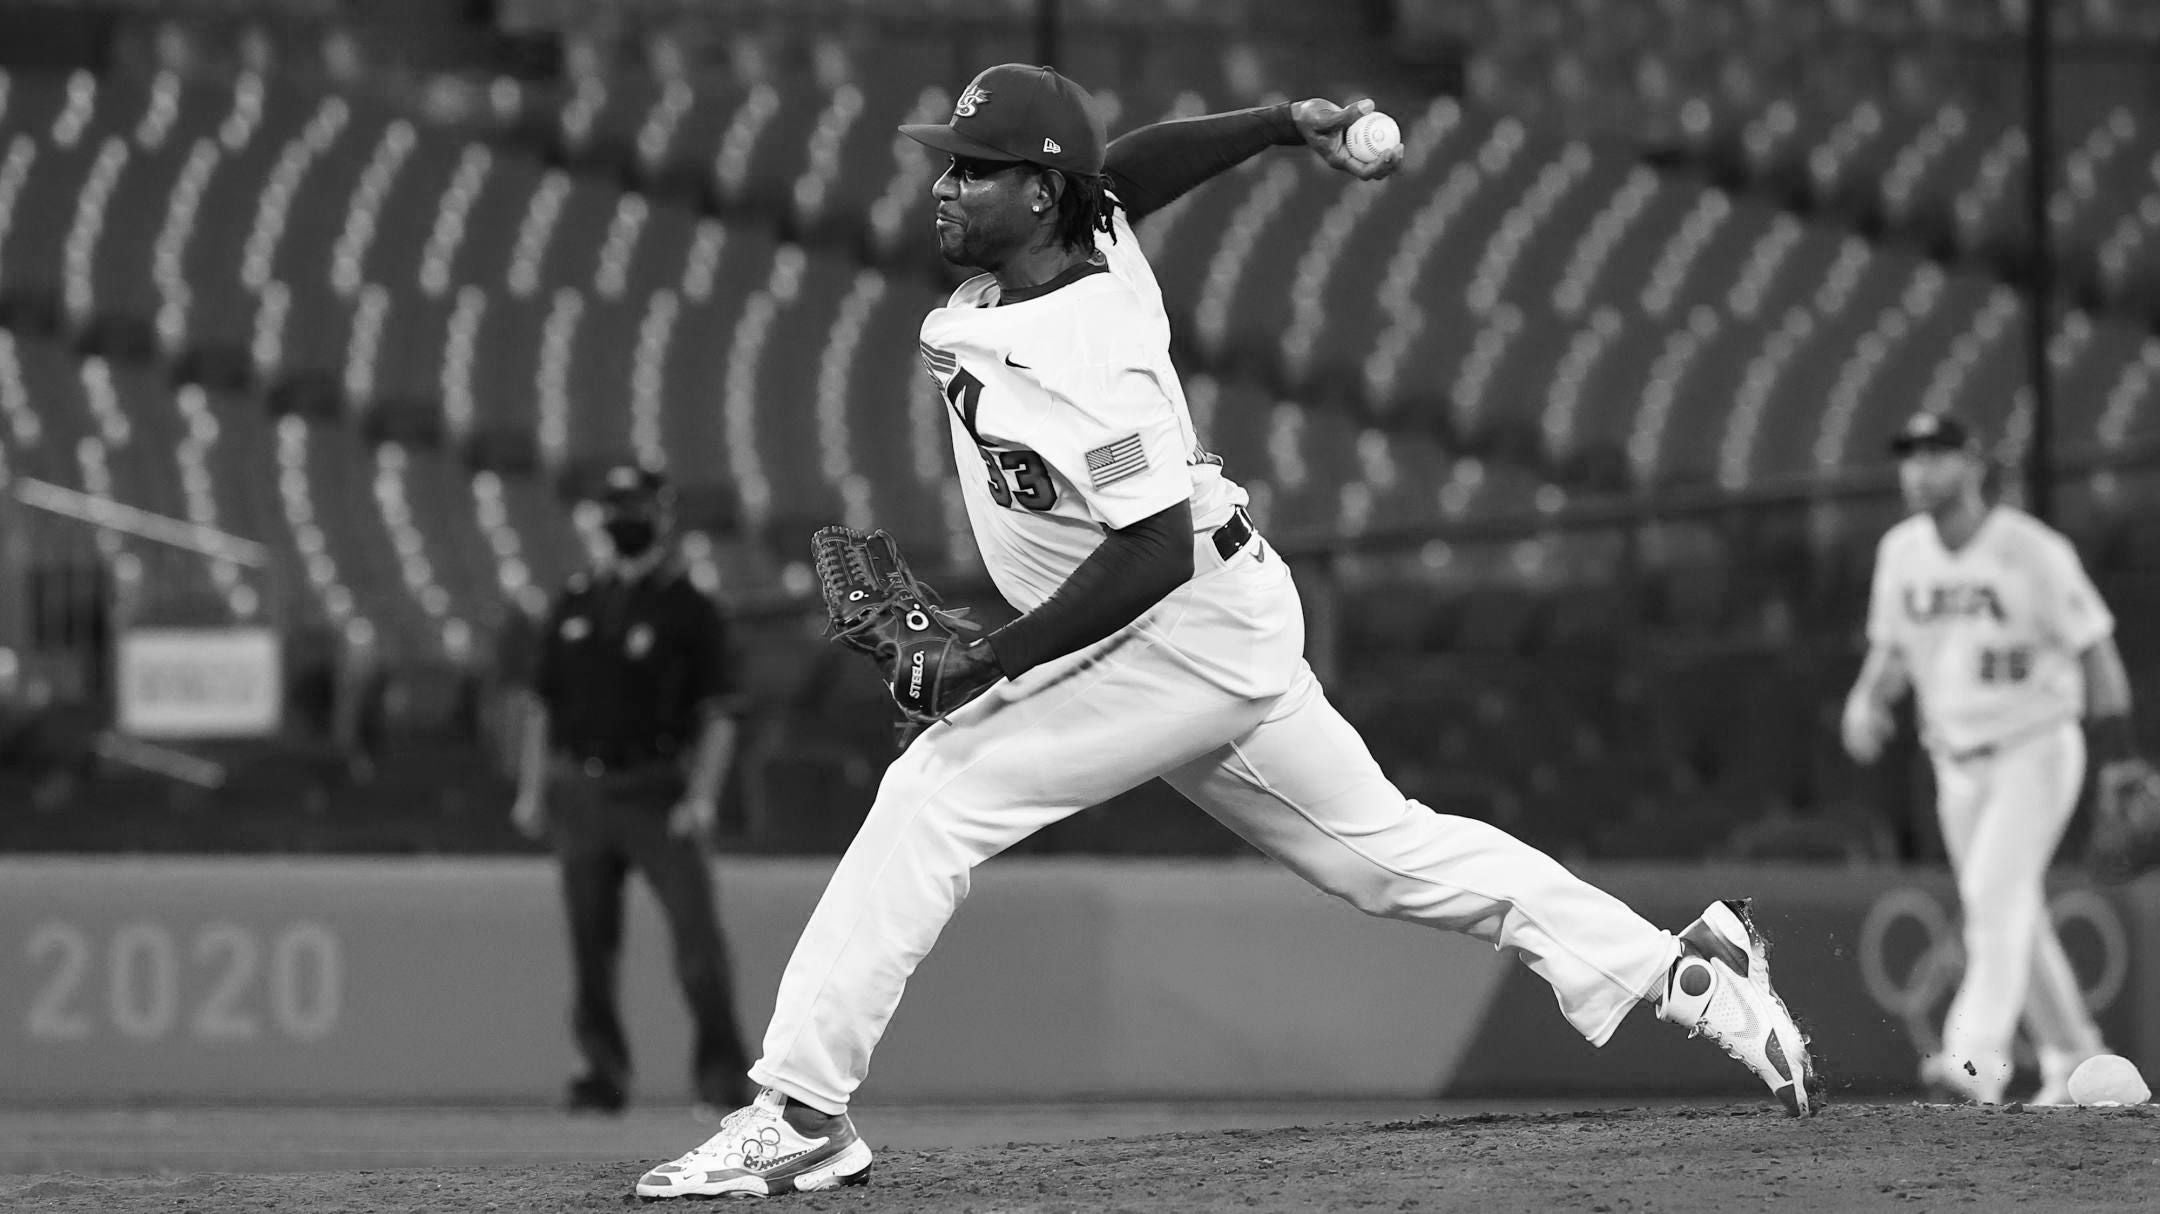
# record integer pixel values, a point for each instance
(571, 324)
(1903, 118)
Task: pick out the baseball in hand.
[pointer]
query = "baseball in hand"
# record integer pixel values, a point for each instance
(1371, 138)
(2106, 1081)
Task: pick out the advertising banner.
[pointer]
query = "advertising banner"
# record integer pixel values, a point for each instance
(199, 682)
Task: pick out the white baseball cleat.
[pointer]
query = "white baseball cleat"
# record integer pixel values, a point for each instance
(758, 1154)
(1720, 988)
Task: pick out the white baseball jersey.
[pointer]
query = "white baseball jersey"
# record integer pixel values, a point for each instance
(1068, 418)
(1992, 632)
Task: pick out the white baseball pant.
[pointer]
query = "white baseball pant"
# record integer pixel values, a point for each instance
(2002, 815)
(1209, 690)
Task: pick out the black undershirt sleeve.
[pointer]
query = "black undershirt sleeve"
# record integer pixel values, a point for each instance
(1129, 572)
(1153, 166)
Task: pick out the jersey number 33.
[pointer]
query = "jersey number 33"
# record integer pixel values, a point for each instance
(1018, 476)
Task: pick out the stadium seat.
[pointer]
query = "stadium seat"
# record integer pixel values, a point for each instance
(717, 287)
(785, 446)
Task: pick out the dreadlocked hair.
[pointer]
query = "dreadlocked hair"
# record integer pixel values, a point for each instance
(1085, 207)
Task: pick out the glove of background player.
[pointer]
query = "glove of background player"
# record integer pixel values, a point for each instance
(2125, 839)
(932, 660)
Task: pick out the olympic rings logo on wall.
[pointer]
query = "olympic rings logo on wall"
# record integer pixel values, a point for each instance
(1912, 955)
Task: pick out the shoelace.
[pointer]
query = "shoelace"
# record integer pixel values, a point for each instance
(734, 1129)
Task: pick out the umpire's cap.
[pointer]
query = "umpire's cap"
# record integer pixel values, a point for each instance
(1932, 432)
(1014, 112)
(631, 485)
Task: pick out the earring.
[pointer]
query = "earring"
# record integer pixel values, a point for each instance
(1038, 208)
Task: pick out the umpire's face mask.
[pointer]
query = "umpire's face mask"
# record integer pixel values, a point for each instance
(633, 535)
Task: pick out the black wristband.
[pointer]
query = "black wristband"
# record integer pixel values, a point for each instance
(2112, 739)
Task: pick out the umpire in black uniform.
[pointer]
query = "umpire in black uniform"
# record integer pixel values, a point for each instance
(623, 758)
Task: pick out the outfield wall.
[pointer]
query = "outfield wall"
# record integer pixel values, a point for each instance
(410, 981)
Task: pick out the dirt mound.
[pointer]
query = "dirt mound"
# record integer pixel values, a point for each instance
(1852, 1157)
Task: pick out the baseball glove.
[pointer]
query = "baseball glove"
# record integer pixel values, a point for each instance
(2125, 840)
(932, 660)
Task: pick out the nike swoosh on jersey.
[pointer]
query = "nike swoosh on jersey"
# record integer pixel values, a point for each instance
(1017, 366)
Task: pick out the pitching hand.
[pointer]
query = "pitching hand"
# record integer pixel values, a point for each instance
(1322, 123)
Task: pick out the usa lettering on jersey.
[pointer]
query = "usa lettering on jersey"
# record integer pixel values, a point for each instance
(1954, 600)
(1990, 632)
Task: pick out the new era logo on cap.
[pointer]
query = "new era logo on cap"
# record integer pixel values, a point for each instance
(1051, 146)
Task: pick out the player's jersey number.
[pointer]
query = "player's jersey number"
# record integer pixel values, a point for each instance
(2008, 665)
(1018, 476)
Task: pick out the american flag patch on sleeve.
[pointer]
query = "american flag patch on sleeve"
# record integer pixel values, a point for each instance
(1113, 462)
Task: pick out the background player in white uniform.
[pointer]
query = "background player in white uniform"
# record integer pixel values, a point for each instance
(1162, 637)
(1987, 615)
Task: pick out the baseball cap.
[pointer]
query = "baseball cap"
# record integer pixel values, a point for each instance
(1931, 432)
(1015, 112)
(629, 484)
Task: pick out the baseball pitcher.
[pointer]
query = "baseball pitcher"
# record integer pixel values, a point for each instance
(1161, 636)
(1987, 615)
